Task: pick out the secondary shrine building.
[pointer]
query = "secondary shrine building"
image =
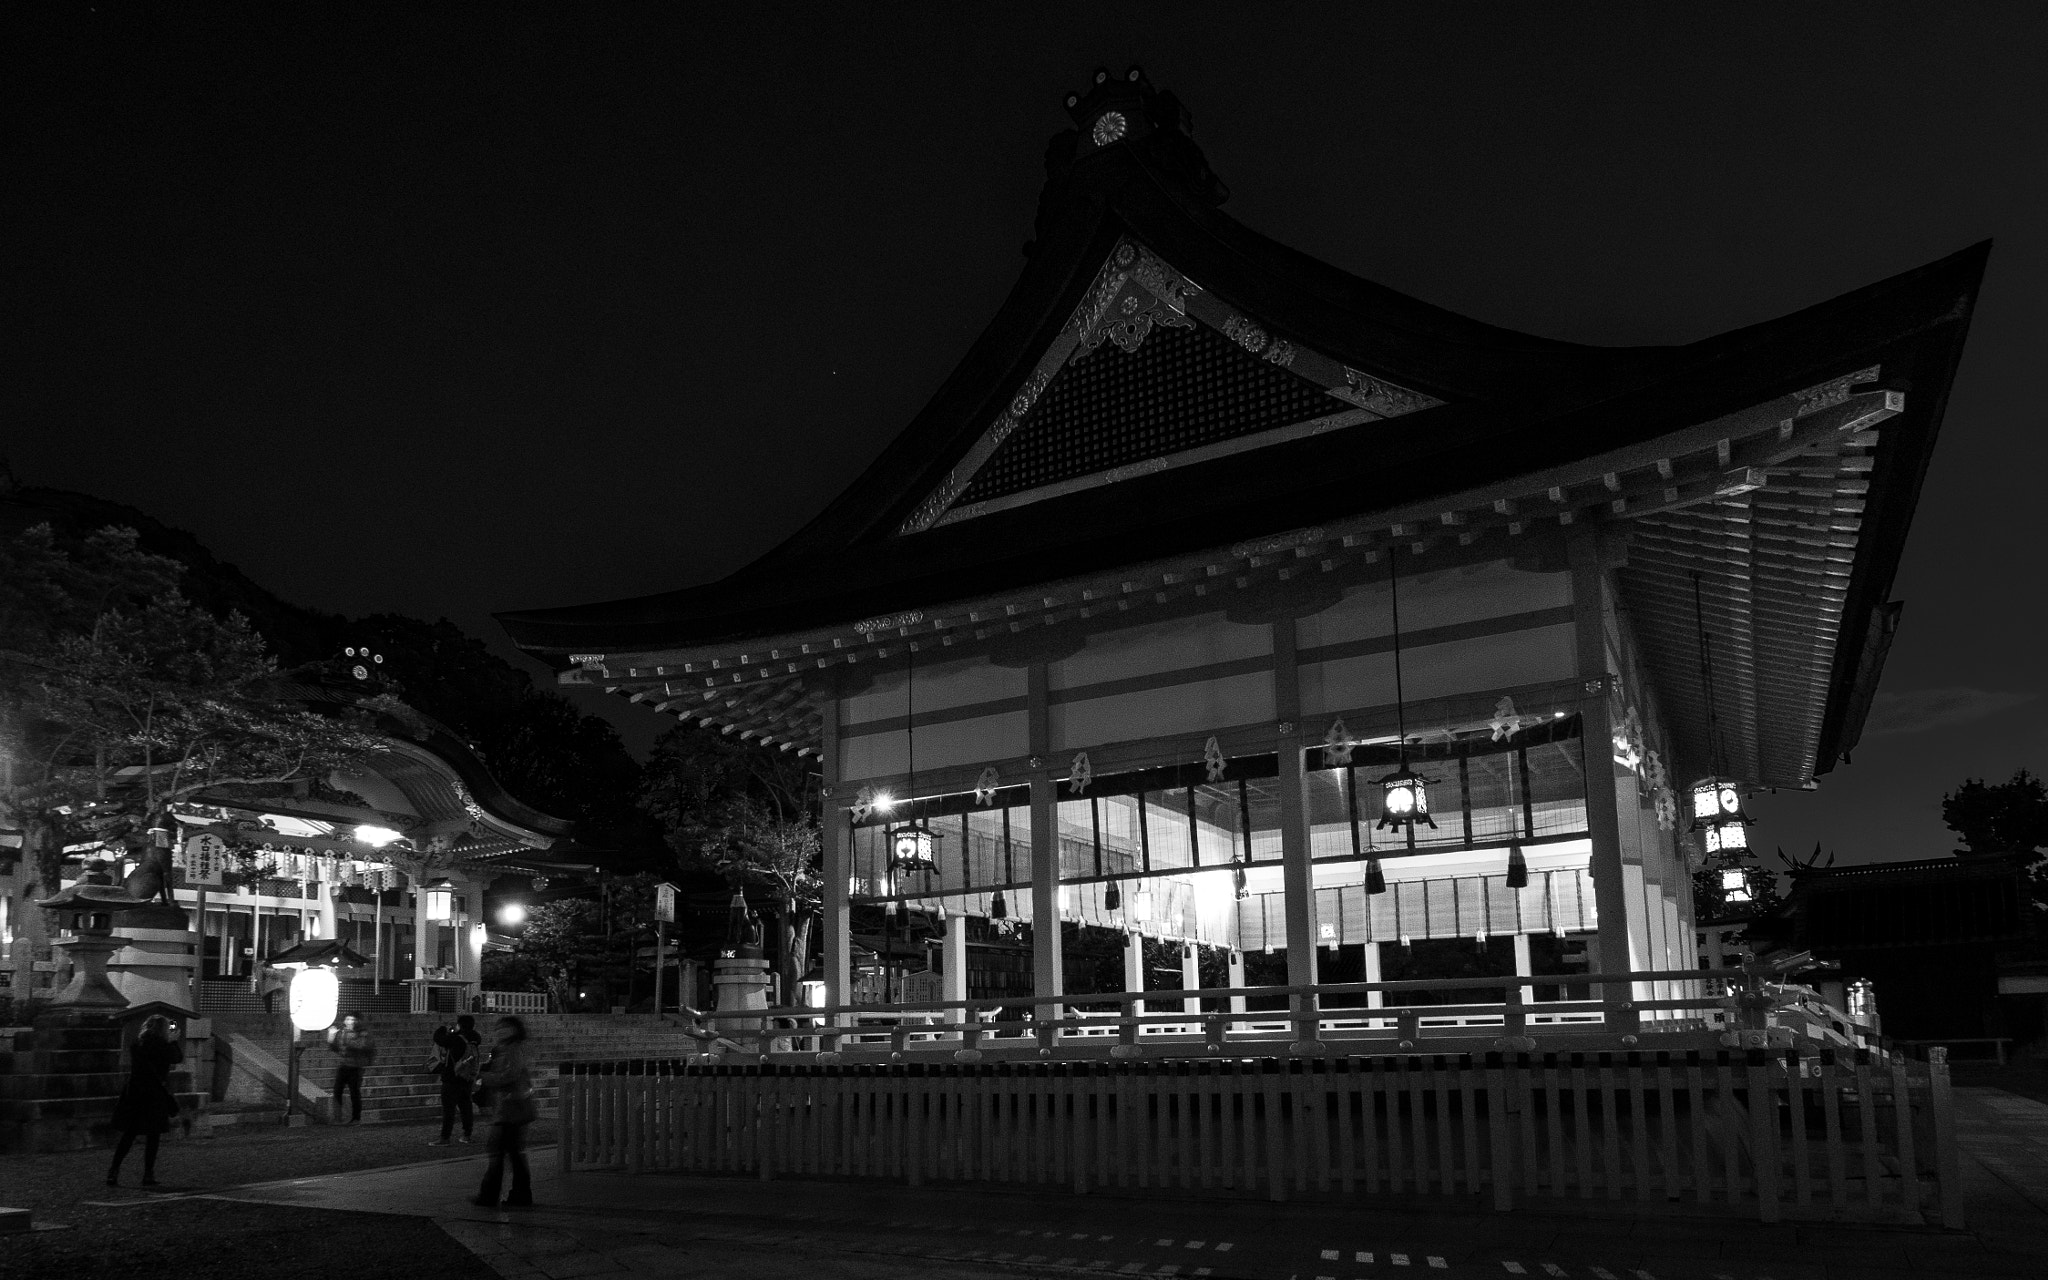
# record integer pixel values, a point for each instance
(1213, 568)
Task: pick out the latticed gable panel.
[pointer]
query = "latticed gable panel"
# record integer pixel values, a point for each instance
(1152, 372)
(1180, 389)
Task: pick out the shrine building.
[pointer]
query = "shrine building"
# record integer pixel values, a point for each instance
(1222, 598)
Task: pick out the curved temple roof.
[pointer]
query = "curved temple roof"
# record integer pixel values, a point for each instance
(1168, 396)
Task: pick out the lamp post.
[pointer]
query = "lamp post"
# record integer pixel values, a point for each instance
(314, 997)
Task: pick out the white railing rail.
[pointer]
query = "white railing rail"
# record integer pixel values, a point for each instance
(1740, 1009)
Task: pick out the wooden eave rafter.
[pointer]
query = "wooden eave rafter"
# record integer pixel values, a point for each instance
(1776, 486)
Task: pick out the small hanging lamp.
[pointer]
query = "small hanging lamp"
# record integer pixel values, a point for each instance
(1112, 897)
(998, 907)
(1406, 792)
(1717, 812)
(1518, 867)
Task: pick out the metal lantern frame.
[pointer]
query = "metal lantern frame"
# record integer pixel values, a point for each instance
(1405, 802)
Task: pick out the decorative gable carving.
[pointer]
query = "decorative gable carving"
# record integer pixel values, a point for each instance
(1150, 373)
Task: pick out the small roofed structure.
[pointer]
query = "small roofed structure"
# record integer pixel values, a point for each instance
(1927, 935)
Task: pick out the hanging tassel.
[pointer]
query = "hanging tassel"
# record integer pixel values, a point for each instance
(1112, 898)
(998, 907)
(1375, 879)
(1518, 867)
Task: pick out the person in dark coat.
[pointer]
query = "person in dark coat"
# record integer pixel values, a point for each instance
(146, 1106)
(351, 1042)
(509, 1078)
(460, 1066)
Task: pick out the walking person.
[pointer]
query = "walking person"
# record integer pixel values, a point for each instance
(458, 1062)
(509, 1081)
(351, 1042)
(147, 1106)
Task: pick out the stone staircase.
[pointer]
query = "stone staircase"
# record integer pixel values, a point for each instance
(59, 1083)
(397, 1088)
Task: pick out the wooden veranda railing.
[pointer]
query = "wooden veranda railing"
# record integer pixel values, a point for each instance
(1812, 1131)
(1724, 1009)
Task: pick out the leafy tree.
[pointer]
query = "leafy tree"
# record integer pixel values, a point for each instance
(570, 946)
(2004, 817)
(749, 816)
(124, 698)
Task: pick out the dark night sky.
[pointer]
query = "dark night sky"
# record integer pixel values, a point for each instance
(544, 304)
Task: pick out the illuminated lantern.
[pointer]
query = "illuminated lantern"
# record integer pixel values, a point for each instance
(315, 997)
(911, 848)
(1735, 885)
(1407, 800)
(1727, 839)
(440, 900)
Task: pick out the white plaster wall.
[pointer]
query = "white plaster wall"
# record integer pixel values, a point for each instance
(1177, 645)
(1468, 594)
(939, 685)
(1197, 708)
(972, 741)
(1534, 656)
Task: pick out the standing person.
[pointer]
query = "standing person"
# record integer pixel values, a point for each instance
(458, 1061)
(510, 1082)
(147, 1106)
(352, 1043)
(273, 983)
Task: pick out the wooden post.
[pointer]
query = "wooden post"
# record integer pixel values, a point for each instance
(1610, 892)
(834, 942)
(1048, 980)
(661, 962)
(1297, 875)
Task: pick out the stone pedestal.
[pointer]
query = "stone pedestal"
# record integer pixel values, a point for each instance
(90, 990)
(155, 965)
(742, 985)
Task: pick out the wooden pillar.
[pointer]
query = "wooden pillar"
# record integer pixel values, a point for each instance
(1524, 966)
(953, 967)
(1048, 981)
(1190, 977)
(1296, 874)
(835, 945)
(1374, 999)
(1237, 979)
(1610, 888)
(1134, 966)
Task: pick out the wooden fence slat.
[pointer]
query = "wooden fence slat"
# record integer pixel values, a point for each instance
(1418, 1125)
(1468, 1114)
(1607, 1089)
(1633, 1072)
(1501, 1152)
(1582, 1128)
(1764, 1157)
(1446, 1136)
(1728, 1112)
(1908, 1147)
(1866, 1108)
(1696, 1109)
(1522, 1101)
(1947, 1156)
(1273, 1125)
(1343, 1084)
(1802, 1153)
(1667, 1131)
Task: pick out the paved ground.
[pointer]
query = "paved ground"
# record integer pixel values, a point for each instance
(659, 1225)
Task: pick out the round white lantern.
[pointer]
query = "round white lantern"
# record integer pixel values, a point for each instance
(315, 998)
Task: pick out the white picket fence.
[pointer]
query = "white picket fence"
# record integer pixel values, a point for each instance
(1807, 1131)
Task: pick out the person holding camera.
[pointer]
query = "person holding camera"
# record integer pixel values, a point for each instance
(458, 1064)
